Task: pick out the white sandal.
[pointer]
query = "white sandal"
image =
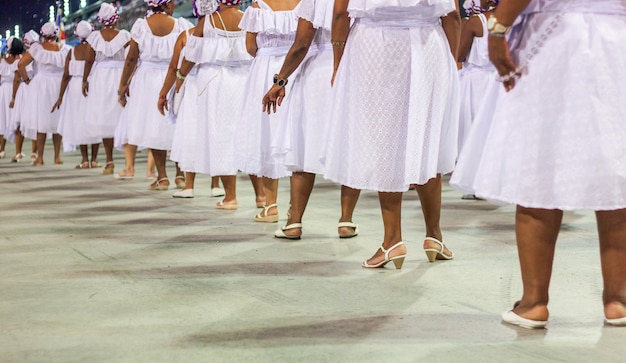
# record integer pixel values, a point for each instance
(281, 232)
(437, 254)
(397, 260)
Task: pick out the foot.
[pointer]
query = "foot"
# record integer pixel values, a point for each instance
(94, 164)
(347, 229)
(529, 316)
(58, 161)
(2, 154)
(291, 230)
(217, 192)
(269, 214)
(394, 252)
(83, 165)
(125, 175)
(232, 205)
(33, 156)
(615, 313)
(108, 168)
(17, 158)
(180, 182)
(161, 184)
(38, 162)
(436, 250)
(151, 175)
(260, 202)
(185, 193)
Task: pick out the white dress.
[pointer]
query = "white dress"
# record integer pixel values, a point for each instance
(141, 123)
(557, 140)
(7, 73)
(43, 91)
(256, 131)
(304, 127)
(21, 101)
(104, 80)
(74, 113)
(394, 117)
(476, 76)
(213, 98)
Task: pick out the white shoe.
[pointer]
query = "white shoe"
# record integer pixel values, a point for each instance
(185, 193)
(2, 154)
(616, 322)
(510, 317)
(217, 192)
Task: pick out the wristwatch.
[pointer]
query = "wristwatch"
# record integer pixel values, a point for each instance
(496, 29)
(280, 82)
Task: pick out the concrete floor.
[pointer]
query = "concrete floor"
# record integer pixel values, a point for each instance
(98, 270)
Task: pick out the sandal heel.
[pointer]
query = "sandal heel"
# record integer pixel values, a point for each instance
(398, 262)
(431, 255)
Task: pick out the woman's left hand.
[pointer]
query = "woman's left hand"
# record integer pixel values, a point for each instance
(85, 88)
(501, 58)
(56, 106)
(273, 98)
(162, 104)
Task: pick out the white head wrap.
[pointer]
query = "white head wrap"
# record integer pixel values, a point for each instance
(156, 3)
(107, 14)
(9, 43)
(83, 29)
(31, 37)
(204, 7)
(49, 29)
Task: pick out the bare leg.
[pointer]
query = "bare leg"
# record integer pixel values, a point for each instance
(108, 149)
(270, 188)
(190, 179)
(257, 184)
(612, 232)
(94, 155)
(150, 173)
(300, 191)
(391, 208)
(3, 143)
(56, 142)
(33, 145)
(349, 198)
(215, 182)
(19, 142)
(129, 154)
(160, 157)
(41, 142)
(85, 155)
(230, 188)
(536, 231)
(430, 199)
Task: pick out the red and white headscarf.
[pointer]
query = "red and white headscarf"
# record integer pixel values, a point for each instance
(108, 14)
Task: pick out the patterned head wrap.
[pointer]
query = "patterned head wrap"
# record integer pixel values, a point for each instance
(30, 38)
(108, 14)
(471, 7)
(229, 2)
(83, 29)
(156, 3)
(49, 30)
(204, 7)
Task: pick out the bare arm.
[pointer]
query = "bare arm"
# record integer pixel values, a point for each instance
(132, 58)
(251, 45)
(468, 32)
(21, 66)
(17, 80)
(304, 37)
(170, 78)
(64, 82)
(452, 27)
(506, 13)
(91, 58)
(340, 30)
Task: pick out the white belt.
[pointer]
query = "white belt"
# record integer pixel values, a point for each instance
(154, 65)
(110, 64)
(274, 51)
(398, 23)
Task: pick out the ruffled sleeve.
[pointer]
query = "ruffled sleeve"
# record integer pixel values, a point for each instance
(44, 56)
(425, 8)
(264, 20)
(110, 48)
(318, 12)
(153, 48)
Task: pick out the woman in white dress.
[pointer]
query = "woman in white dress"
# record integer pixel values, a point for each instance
(149, 55)
(72, 103)
(561, 126)
(103, 69)
(271, 28)
(48, 59)
(303, 127)
(213, 95)
(8, 68)
(19, 93)
(395, 110)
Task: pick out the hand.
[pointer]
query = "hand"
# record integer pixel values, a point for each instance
(162, 104)
(179, 84)
(122, 93)
(57, 105)
(85, 88)
(501, 58)
(12, 103)
(272, 98)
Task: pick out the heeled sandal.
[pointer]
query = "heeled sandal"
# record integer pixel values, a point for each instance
(349, 225)
(264, 217)
(157, 185)
(437, 254)
(109, 168)
(281, 232)
(83, 165)
(397, 260)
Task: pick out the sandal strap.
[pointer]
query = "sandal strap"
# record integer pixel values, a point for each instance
(347, 224)
(441, 245)
(386, 252)
(292, 226)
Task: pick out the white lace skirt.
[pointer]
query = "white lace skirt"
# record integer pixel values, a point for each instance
(303, 129)
(394, 116)
(104, 109)
(557, 140)
(474, 83)
(43, 92)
